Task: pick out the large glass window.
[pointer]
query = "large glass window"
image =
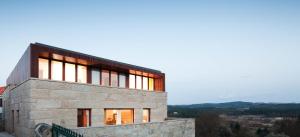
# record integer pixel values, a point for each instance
(81, 74)
(114, 79)
(145, 83)
(118, 116)
(122, 80)
(138, 82)
(105, 77)
(56, 70)
(84, 117)
(70, 72)
(151, 84)
(95, 76)
(43, 68)
(132, 81)
(146, 115)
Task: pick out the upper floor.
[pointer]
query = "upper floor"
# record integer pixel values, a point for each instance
(47, 62)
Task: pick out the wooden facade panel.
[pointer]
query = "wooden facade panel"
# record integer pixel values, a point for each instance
(21, 72)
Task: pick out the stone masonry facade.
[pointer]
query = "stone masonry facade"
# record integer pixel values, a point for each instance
(168, 128)
(46, 101)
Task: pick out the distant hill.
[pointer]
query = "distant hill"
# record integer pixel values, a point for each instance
(237, 108)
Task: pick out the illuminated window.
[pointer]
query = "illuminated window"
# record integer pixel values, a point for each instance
(105, 77)
(114, 79)
(84, 117)
(69, 72)
(145, 83)
(132, 81)
(118, 116)
(95, 76)
(122, 80)
(56, 70)
(146, 115)
(151, 84)
(43, 68)
(138, 82)
(81, 74)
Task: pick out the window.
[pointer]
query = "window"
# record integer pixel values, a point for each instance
(138, 82)
(118, 116)
(81, 74)
(105, 77)
(151, 84)
(84, 117)
(145, 83)
(122, 80)
(70, 72)
(43, 68)
(95, 76)
(114, 79)
(132, 81)
(56, 70)
(146, 115)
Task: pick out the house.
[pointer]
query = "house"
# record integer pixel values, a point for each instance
(1, 104)
(81, 92)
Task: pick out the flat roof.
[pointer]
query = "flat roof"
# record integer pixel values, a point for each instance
(91, 60)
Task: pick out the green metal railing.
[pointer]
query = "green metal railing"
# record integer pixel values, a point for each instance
(59, 131)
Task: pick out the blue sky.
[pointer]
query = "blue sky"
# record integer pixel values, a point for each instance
(211, 51)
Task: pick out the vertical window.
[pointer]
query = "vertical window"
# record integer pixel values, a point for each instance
(145, 83)
(43, 68)
(118, 116)
(95, 76)
(146, 115)
(122, 80)
(132, 81)
(151, 84)
(114, 79)
(81, 74)
(84, 117)
(105, 77)
(70, 72)
(56, 70)
(138, 82)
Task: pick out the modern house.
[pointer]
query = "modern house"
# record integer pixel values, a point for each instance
(81, 92)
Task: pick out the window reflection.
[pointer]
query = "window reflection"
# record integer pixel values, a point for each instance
(69, 72)
(122, 80)
(95, 76)
(132, 81)
(81, 74)
(145, 83)
(138, 82)
(43, 68)
(105, 77)
(114, 79)
(56, 70)
(151, 84)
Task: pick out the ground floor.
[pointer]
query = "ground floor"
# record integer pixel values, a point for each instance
(74, 105)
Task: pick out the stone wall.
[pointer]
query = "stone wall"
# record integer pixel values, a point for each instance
(168, 128)
(45, 101)
(17, 100)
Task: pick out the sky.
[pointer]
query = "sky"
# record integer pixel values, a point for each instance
(211, 51)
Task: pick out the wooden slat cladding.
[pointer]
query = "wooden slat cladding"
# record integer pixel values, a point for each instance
(21, 72)
(159, 84)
